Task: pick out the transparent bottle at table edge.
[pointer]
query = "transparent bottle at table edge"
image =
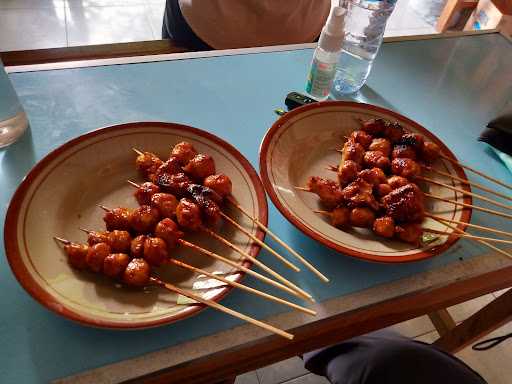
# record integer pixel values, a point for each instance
(364, 29)
(13, 120)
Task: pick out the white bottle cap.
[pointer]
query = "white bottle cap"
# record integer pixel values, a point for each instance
(331, 38)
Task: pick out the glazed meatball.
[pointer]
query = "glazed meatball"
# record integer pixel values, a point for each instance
(397, 182)
(145, 191)
(410, 233)
(384, 226)
(137, 273)
(328, 191)
(375, 159)
(200, 167)
(147, 164)
(144, 219)
(359, 194)
(137, 246)
(414, 140)
(188, 215)
(407, 168)
(115, 264)
(119, 241)
(352, 151)
(184, 152)
(77, 255)
(95, 237)
(219, 183)
(348, 172)
(373, 176)
(382, 145)
(362, 217)
(393, 132)
(95, 256)
(430, 152)
(155, 251)
(382, 190)
(117, 218)
(362, 138)
(168, 231)
(340, 217)
(403, 151)
(165, 203)
(374, 126)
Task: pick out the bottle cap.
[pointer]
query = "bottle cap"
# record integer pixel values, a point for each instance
(331, 38)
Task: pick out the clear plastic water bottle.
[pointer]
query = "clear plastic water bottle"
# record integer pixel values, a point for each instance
(364, 29)
(13, 120)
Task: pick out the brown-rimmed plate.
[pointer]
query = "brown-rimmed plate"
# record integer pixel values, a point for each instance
(62, 192)
(301, 144)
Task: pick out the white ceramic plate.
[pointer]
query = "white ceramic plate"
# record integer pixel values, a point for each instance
(61, 194)
(301, 144)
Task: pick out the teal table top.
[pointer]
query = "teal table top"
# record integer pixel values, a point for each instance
(451, 86)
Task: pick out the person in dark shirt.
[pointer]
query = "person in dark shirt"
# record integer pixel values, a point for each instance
(385, 357)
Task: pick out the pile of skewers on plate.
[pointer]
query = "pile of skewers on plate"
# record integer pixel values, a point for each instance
(180, 195)
(378, 186)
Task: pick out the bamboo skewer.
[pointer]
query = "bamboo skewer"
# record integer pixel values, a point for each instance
(137, 151)
(464, 192)
(468, 236)
(254, 260)
(245, 269)
(259, 242)
(278, 240)
(480, 227)
(464, 181)
(245, 254)
(254, 238)
(243, 287)
(210, 303)
(220, 307)
(238, 266)
(476, 171)
(479, 241)
(465, 205)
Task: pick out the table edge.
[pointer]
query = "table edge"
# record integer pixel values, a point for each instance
(207, 362)
(159, 50)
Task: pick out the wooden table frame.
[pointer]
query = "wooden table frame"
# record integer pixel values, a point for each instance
(217, 357)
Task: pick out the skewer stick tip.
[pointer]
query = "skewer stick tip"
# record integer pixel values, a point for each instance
(137, 151)
(302, 189)
(104, 208)
(133, 184)
(85, 230)
(61, 240)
